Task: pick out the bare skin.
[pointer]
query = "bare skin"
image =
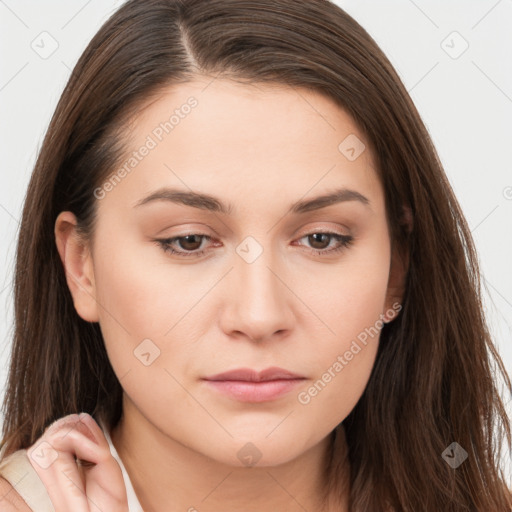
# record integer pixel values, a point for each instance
(269, 300)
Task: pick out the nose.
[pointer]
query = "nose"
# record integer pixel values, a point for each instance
(257, 302)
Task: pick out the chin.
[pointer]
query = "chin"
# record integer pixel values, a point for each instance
(259, 451)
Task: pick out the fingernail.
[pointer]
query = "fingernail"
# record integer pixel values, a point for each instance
(88, 433)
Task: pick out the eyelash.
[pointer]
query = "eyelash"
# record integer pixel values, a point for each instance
(166, 244)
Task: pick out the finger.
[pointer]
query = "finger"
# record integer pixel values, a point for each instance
(95, 433)
(55, 464)
(75, 487)
(105, 479)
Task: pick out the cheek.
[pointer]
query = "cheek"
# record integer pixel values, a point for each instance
(343, 362)
(140, 299)
(143, 307)
(139, 292)
(353, 295)
(352, 307)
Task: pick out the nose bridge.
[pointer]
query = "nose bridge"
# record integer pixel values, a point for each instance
(260, 304)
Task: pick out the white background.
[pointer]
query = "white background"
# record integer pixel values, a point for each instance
(465, 100)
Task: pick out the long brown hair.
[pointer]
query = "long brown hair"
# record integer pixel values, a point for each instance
(433, 380)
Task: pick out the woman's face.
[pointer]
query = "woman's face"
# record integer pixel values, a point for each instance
(237, 171)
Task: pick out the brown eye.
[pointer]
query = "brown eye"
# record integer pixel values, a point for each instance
(184, 246)
(190, 245)
(319, 240)
(191, 242)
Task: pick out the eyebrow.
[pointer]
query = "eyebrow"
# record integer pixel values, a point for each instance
(212, 204)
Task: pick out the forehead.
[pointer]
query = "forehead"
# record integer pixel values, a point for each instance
(231, 139)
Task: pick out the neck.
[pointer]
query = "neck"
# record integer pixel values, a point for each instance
(168, 476)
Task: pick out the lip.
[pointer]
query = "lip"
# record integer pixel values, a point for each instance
(247, 385)
(250, 375)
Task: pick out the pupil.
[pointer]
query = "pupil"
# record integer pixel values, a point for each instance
(188, 239)
(315, 235)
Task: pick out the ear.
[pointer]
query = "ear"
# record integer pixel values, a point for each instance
(78, 266)
(398, 272)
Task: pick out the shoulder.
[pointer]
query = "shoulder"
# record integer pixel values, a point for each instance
(10, 500)
(21, 489)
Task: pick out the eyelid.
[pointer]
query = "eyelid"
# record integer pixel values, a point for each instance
(202, 231)
(344, 242)
(193, 228)
(323, 229)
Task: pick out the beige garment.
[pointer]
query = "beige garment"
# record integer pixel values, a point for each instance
(18, 471)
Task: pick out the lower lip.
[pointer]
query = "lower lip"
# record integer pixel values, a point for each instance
(245, 391)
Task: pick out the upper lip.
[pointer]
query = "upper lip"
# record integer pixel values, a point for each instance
(250, 375)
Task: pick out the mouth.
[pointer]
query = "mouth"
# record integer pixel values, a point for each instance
(247, 385)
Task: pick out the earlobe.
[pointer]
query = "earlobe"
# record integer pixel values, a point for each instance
(396, 284)
(398, 272)
(77, 263)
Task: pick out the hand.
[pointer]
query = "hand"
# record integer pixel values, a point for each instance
(92, 483)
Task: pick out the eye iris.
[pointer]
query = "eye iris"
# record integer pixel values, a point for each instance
(188, 239)
(315, 237)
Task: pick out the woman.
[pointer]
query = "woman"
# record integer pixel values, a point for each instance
(260, 292)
